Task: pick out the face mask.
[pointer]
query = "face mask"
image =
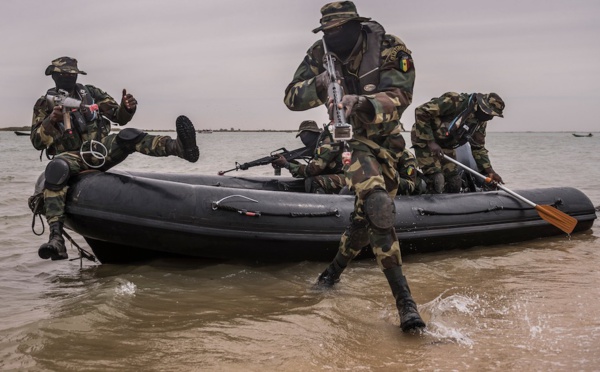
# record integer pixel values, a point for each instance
(65, 81)
(342, 39)
(309, 139)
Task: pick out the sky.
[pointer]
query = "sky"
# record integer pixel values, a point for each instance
(225, 64)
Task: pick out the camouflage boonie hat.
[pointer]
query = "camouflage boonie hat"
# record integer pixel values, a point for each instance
(490, 104)
(308, 125)
(64, 64)
(338, 13)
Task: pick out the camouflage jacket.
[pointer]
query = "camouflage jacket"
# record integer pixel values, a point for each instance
(326, 160)
(433, 119)
(45, 135)
(390, 96)
(407, 169)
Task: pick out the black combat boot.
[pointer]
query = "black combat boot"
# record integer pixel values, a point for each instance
(332, 273)
(55, 248)
(185, 145)
(407, 309)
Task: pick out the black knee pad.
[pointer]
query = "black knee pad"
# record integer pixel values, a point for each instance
(129, 137)
(380, 210)
(57, 174)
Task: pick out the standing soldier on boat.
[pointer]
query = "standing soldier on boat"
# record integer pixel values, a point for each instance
(377, 75)
(447, 122)
(71, 122)
(323, 173)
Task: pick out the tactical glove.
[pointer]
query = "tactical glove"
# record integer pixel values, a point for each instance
(435, 149)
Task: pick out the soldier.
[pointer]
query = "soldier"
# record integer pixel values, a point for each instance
(88, 144)
(377, 75)
(323, 173)
(447, 122)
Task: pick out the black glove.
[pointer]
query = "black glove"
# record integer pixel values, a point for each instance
(280, 162)
(493, 175)
(435, 149)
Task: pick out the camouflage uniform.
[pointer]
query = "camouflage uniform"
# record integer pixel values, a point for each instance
(323, 173)
(450, 121)
(377, 76)
(89, 126)
(373, 165)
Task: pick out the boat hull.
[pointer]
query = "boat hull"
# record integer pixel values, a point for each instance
(131, 216)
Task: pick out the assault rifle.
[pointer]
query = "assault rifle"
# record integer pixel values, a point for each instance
(342, 131)
(301, 153)
(68, 104)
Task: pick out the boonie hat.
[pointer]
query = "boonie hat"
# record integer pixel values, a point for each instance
(308, 125)
(64, 64)
(338, 13)
(490, 104)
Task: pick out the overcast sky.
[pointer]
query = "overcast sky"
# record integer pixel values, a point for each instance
(226, 63)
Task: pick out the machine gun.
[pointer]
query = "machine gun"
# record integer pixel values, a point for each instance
(342, 131)
(301, 153)
(68, 104)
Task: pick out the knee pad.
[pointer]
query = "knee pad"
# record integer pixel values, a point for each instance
(129, 137)
(380, 210)
(454, 184)
(57, 174)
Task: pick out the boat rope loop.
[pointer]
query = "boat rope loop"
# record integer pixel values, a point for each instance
(425, 212)
(245, 212)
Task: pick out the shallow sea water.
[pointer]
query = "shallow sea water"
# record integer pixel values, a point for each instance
(528, 306)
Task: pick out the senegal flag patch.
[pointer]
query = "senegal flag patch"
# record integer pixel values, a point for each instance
(410, 171)
(406, 63)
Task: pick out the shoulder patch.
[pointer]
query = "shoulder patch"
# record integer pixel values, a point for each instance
(405, 61)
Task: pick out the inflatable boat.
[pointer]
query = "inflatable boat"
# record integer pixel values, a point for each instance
(129, 216)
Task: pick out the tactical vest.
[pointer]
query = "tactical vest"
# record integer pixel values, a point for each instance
(368, 73)
(85, 125)
(461, 129)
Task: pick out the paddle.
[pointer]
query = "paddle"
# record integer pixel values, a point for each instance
(557, 218)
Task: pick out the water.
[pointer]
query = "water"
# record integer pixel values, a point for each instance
(526, 306)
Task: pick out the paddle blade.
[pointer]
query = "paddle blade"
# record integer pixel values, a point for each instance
(557, 218)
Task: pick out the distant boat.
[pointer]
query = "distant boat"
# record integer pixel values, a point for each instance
(205, 131)
(21, 133)
(582, 135)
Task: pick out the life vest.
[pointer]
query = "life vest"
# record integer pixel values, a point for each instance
(460, 130)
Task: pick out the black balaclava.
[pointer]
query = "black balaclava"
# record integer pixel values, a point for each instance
(341, 40)
(309, 139)
(65, 81)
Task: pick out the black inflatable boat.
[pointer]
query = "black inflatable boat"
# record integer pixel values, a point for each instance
(126, 216)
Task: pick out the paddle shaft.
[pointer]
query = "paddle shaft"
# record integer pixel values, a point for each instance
(486, 179)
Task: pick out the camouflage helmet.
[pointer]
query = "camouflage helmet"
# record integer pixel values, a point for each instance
(308, 125)
(490, 104)
(64, 64)
(338, 13)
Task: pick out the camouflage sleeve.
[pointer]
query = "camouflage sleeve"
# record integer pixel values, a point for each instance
(396, 82)
(301, 94)
(428, 116)
(480, 153)
(43, 133)
(109, 108)
(407, 169)
(324, 155)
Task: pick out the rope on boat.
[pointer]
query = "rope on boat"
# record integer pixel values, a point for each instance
(245, 212)
(425, 212)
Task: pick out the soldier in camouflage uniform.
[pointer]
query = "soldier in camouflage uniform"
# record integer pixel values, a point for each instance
(377, 74)
(447, 122)
(323, 173)
(88, 144)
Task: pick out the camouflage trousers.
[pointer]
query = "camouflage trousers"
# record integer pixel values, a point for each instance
(325, 183)
(430, 165)
(368, 173)
(54, 201)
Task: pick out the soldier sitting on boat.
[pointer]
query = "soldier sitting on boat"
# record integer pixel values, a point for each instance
(447, 122)
(324, 173)
(71, 122)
